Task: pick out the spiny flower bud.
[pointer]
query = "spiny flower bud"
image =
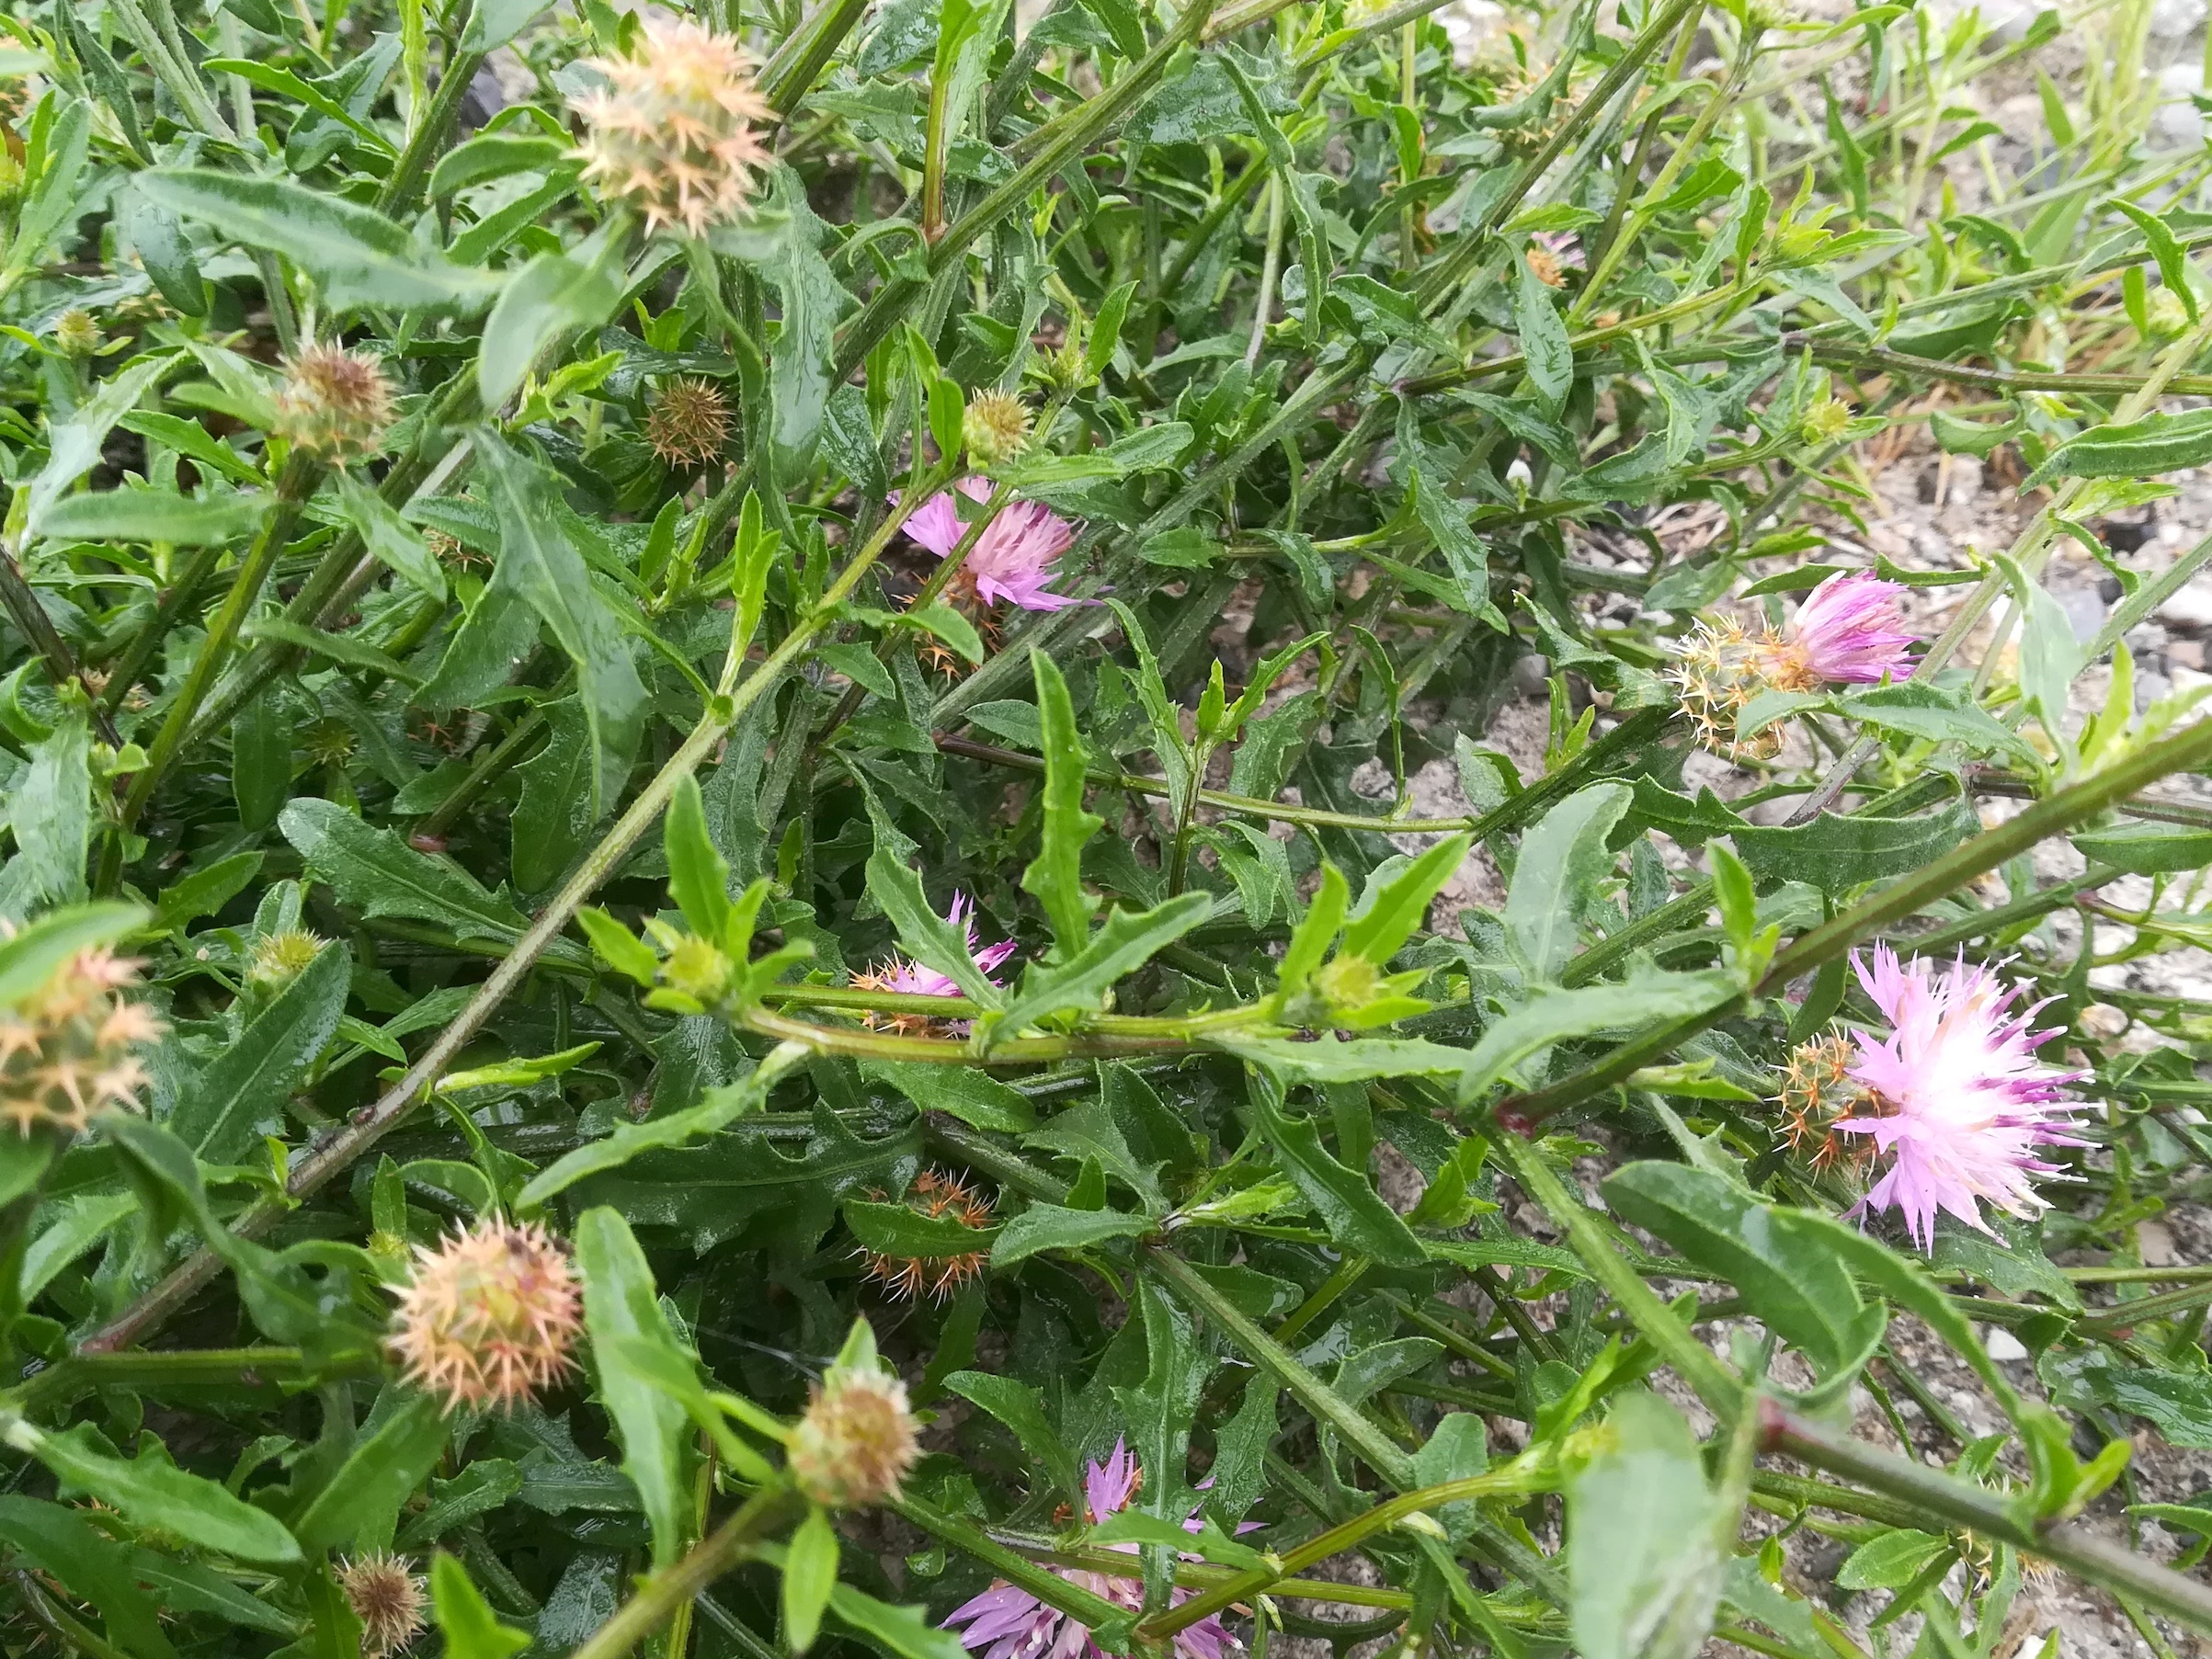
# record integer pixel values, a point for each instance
(1722, 668)
(2167, 313)
(688, 421)
(1818, 1093)
(387, 1598)
(856, 1441)
(996, 429)
(329, 743)
(78, 333)
(277, 958)
(673, 131)
(940, 1196)
(66, 1050)
(1068, 369)
(335, 404)
(697, 969)
(490, 1317)
(1825, 422)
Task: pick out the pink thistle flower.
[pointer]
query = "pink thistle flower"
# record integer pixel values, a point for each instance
(1959, 1103)
(1012, 560)
(1848, 632)
(896, 974)
(1006, 1623)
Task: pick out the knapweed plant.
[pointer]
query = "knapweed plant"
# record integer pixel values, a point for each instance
(1139, 827)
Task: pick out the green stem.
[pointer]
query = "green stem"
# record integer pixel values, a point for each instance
(397, 198)
(2088, 1555)
(1524, 1475)
(707, 1560)
(176, 600)
(790, 75)
(31, 620)
(1844, 355)
(298, 482)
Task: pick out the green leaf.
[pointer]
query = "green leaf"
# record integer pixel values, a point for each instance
(1127, 941)
(1836, 853)
(400, 1444)
(1447, 523)
(149, 1491)
(545, 567)
(471, 1629)
(515, 1073)
(698, 876)
(93, 1569)
(392, 542)
(1552, 1016)
(1643, 1553)
(1021, 1408)
(2146, 849)
(493, 23)
(2160, 442)
(722, 1107)
(491, 155)
(1056, 876)
(976, 1098)
(50, 809)
(555, 814)
(895, 1230)
(73, 443)
(619, 1302)
(1922, 710)
(1891, 1562)
(136, 513)
(550, 296)
(908, 1631)
(240, 1093)
(358, 257)
(1790, 1282)
(1557, 872)
(1051, 1227)
(1356, 1216)
(810, 1572)
(375, 872)
(337, 647)
(1543, 345)
(1331, 1058)
(1388, 919)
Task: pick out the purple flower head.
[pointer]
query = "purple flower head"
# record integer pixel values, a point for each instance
(1012, 560)
(911, 979)
(1848, 631)
(1960, 1106)
(1006, 1623)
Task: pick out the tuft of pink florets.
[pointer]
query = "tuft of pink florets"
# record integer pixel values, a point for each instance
(902, 978)
(1958, 1103)
(1006, 1623)
(1012, 560)
(490, 1317)
(1849, 632)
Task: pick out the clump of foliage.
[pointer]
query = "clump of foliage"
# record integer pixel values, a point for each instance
(717, 935)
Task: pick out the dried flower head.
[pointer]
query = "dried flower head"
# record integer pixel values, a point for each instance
(69, 1050)
(490, 1316)
(335, 404)
(995, 428)
(902, 978)
(277, 958)
(672, 132)
(1848, 632)
(1818, 1093)
(1007, 1622)
(78, 333)
(1012, 559)
(855, 1442)
(940, 1196)
(388, 1600)
(1957, 1103)
(687, 422)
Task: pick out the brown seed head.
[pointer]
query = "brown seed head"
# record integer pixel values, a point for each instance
(673, 131)
(490, 1317)
(856, 1441)
(69, 1050)
(388, 1600)
(335, 404)
(688, 421)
